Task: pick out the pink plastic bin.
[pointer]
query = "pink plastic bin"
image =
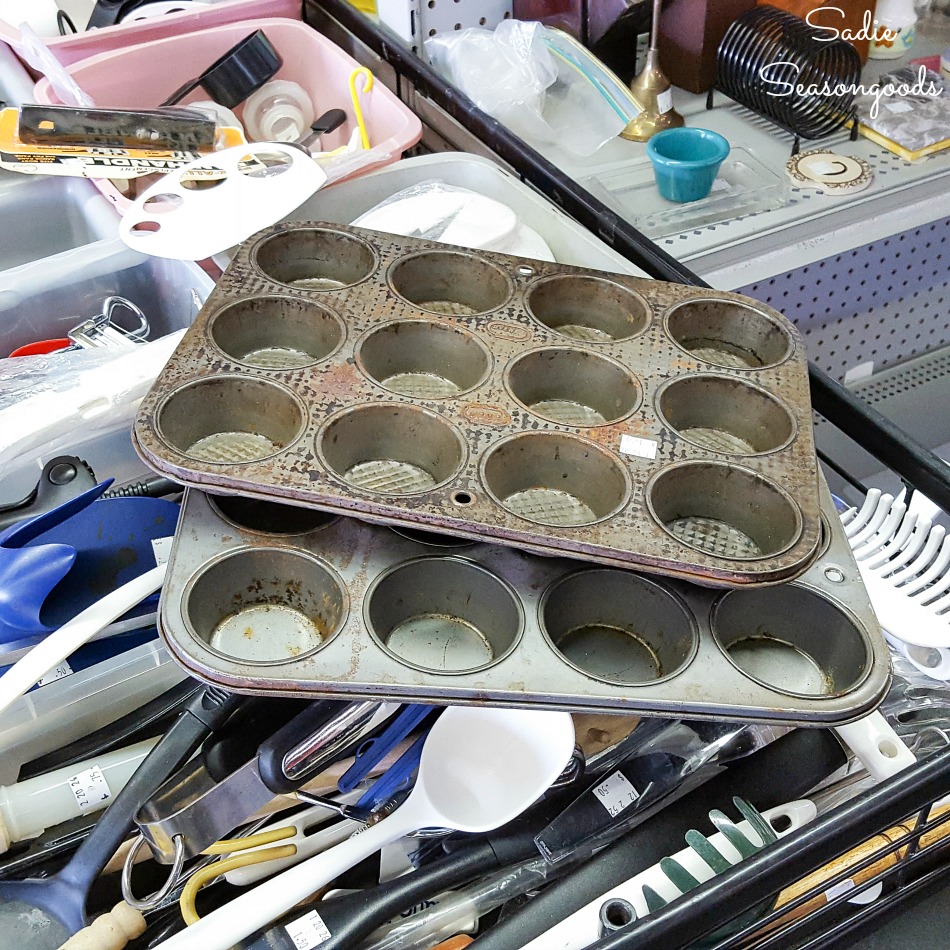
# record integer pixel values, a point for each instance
(76, 46)
(142, 76)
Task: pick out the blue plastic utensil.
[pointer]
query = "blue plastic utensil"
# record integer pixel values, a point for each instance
(55, 565)
(372, 752)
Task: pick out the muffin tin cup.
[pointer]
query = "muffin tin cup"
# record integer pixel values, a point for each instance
(489, 624)
(725, 332)
(443, 615)
(277, 333)
(423, 358)
(573, 387)
(264, 605)
(726, 415)
(552, 408)
(796, 640)
(724, 510)
(229, 420)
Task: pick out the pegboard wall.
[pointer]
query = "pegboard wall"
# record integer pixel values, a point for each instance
(870, 308)
(418, 20)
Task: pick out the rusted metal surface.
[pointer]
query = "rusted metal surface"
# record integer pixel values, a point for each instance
(348, 608)
(623, 421)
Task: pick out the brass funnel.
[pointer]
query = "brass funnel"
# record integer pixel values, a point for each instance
(651, 89)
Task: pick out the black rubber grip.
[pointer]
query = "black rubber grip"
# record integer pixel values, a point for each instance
(270, 756)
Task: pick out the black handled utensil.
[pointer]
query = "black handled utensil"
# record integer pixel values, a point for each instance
(40, 914)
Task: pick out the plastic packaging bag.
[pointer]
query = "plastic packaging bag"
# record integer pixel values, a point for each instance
(512, 75)
(46, 401)
(657, 763)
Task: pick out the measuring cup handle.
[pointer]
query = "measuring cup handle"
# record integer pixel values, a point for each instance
(206, 711)
(258, 906)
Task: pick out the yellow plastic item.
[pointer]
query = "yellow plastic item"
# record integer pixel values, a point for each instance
(355, 96)
(227, 846)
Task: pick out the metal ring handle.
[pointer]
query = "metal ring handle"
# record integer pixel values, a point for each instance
(155, 898)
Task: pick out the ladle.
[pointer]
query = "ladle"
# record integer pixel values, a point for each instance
(480, 769)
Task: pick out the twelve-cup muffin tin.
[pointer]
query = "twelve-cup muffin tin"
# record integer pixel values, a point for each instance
(561, 410)
(269, 598)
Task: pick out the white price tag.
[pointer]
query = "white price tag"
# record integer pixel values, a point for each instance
(90, 788)
(664, 102)
(842, 887)
(898, 106)
(308, 931)
(721, 184)
(642, 448)
(161, 548)
(64, 669)
(616, 793)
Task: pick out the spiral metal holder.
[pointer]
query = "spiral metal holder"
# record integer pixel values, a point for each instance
(792, 52)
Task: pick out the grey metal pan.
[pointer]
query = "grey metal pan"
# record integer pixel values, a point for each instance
(347, 608)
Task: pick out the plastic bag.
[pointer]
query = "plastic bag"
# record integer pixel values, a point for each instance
(512, 75)
(48, 402)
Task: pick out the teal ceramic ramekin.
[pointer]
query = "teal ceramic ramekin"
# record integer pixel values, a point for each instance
(686, 162)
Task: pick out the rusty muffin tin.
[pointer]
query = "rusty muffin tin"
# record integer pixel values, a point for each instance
(564, 411)
(273, 599)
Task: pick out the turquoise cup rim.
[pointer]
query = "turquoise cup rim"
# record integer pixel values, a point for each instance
(706, 135)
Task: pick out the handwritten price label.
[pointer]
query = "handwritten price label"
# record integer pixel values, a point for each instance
(308, 932)
(616, 793)
(90, 788)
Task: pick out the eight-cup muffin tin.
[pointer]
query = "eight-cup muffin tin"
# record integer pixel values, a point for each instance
(564, 411)
(268, 598)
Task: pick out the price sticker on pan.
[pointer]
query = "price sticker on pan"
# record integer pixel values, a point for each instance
(642, 448)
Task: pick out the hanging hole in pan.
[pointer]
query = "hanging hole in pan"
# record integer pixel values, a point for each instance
(391, 449)
(729, 333)
(230, 419)
(450, 282)
(268, 517)
(265, 605)
(724, 510)
(555, 479)
(424, 359)
(276, 332)
(462, 498)
(617, 626)
(792, 639)
(588, 309)
(317, 259)
(573, 387)
(727, 415)
(443, 615)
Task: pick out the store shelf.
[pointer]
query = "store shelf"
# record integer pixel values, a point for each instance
(811, 226)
